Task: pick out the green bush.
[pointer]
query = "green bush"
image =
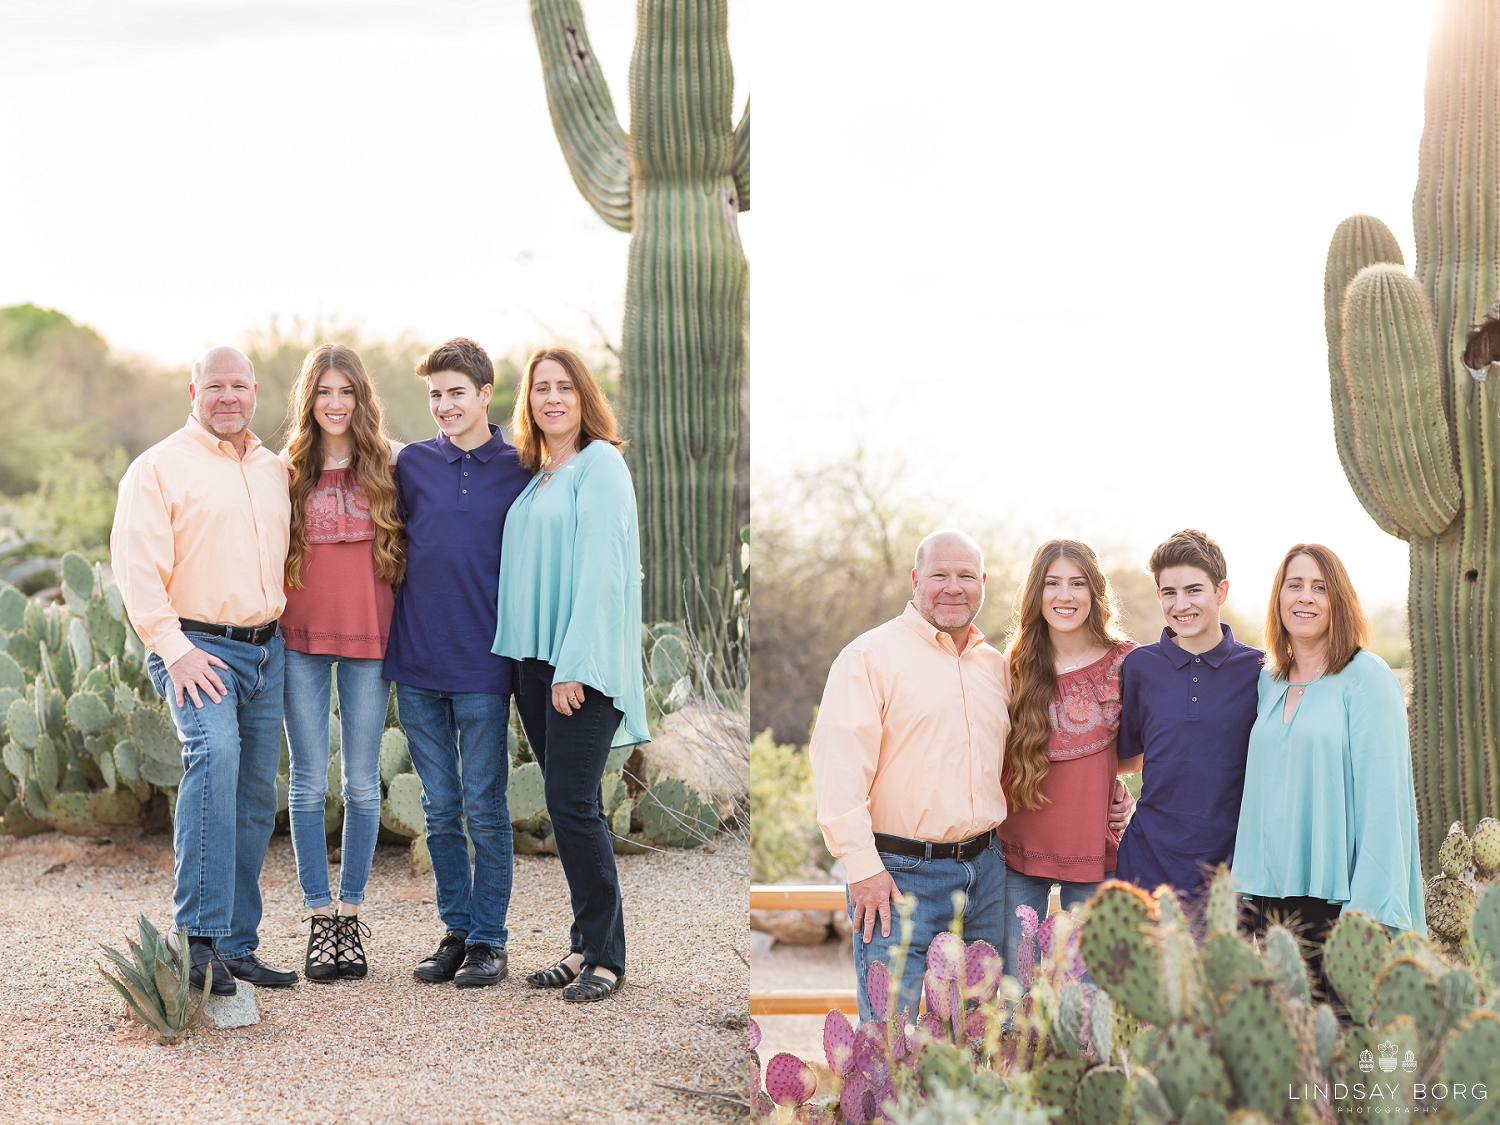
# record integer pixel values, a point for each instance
(784, 837)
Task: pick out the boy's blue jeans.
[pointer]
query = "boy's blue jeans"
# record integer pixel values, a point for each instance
(226, 802)
(931, 882)
(459, 746)
(1034, 891)
(363, 698)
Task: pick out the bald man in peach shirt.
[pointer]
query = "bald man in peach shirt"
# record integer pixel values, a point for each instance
(199, 549)
(907, 758)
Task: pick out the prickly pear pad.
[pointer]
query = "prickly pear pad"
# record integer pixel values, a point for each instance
(1119, 948)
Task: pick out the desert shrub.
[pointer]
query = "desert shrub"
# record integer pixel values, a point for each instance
(784, 836)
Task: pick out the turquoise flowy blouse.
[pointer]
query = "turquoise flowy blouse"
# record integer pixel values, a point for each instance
(570, 581)
(1329, 810)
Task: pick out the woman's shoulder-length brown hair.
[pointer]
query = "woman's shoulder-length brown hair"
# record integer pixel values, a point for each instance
(598, 418)
(1348, 628)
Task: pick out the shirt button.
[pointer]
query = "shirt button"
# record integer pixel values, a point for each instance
(466, 492)
(466, 474)
(1195, 699)
(1195, 679)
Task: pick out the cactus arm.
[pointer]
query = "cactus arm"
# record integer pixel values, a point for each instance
(1394, 377)
(583, 113)
(742, 158)
(1359, 241)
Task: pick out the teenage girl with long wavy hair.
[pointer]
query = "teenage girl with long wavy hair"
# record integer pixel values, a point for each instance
(1065, 653)
(347, 551)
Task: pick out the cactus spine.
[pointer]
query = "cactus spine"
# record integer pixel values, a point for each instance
(1417, 435)
(676, 182)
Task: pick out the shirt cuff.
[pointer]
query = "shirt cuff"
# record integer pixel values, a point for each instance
(173, 647)
(863, 864)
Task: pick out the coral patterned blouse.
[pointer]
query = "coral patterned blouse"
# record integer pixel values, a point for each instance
(343, 608)
(1068, 838)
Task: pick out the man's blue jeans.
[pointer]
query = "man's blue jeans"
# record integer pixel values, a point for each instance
(1034, 891)
(363, 698)
(226, 802)
(931, 882)
(458, 743)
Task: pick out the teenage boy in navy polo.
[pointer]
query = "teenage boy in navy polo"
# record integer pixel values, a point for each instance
(453, 692)
(1187, 704)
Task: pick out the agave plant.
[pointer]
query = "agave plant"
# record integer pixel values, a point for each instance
(155, 987)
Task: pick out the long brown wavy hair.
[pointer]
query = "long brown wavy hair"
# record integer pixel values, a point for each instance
(1033, 670)
(598, 419)
(369, 463)
(1348, 628)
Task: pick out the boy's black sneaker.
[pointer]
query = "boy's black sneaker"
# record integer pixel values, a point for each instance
(483, 964)
(445, 962)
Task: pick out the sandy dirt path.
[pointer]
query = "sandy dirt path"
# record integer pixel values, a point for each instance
(386, 1049)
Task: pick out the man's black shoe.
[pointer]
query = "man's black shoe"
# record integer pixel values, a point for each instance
(253, 970)
(201, 951)
(445, 962)
(483, 964)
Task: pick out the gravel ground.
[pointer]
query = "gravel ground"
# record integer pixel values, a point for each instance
(386, 1049)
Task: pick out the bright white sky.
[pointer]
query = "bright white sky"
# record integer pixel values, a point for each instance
(1068, 258)
(177, 171)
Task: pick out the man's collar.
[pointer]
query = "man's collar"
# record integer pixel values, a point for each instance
(200, 433)
(1181, 657)
(484, 452)
(930, 632)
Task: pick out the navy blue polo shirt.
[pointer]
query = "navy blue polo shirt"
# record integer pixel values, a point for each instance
(454, 502)
(1191, 718)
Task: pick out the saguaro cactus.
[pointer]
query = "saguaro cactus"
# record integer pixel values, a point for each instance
(676, 182)
(1417, 433)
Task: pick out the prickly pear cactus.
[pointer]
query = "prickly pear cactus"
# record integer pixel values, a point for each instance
(1486, 847)
(1455, 852)
(1414, 427)
(676, 182)
(401, 811)
(1356, 948)
(71, 683)
(1258, 1047)
(673, 814)
(1122, 954)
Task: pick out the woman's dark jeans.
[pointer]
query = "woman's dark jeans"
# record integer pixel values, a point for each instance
(572, 750)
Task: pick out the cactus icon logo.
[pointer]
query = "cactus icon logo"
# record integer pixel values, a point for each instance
(1387, 1056)
(1409, 1062)
(1366, 1061)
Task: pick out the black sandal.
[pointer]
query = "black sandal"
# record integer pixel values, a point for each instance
(590, 987)
(351, 954)
(322, 942)
(557, 976)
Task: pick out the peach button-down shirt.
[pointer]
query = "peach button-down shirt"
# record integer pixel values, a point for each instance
(910, 740)
(200, 534)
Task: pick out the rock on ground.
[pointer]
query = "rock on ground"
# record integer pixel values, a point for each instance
(225, 1012)
(696, 745)
(792, 927)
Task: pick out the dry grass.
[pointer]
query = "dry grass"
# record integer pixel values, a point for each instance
(386, 1049)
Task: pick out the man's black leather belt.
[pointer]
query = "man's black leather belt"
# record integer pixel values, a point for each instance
(925, 849)
(249, 634)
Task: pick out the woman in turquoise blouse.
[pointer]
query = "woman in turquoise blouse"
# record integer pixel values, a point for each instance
(570, 614)
(1329, 815)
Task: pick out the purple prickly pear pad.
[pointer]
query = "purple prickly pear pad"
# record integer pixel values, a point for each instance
(838, 1042)
(790, 1081)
